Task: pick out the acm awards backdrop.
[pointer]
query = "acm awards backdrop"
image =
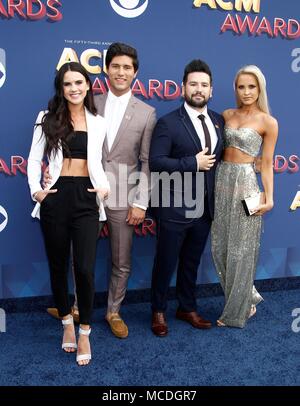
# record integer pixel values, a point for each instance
(37, 36)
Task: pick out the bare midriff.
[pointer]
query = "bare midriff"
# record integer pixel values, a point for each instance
(237, 156)
(74, 167)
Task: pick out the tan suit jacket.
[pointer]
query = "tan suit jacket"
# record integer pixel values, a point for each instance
(129, 154)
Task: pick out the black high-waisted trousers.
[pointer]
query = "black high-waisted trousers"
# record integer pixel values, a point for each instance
(71, 215)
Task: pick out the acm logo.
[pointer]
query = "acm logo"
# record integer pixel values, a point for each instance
(2, 67)
(129, 8)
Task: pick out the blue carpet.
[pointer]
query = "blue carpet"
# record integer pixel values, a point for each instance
(265, 352)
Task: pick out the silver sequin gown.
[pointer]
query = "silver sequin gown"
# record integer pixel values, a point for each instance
(236, 237)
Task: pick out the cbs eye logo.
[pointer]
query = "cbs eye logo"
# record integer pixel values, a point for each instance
(2, 67)
(129, 8)
(3, 218)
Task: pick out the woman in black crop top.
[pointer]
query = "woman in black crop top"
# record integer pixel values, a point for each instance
(70, 134)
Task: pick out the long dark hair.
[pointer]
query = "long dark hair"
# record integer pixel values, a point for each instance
(56, 123)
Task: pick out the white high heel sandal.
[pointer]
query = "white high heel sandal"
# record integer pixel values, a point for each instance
(68, 345)
(84, 357)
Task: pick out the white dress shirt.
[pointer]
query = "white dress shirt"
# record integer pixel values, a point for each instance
(115, 108)
(194, 114)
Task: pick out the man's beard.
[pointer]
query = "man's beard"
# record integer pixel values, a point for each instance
(197, 104)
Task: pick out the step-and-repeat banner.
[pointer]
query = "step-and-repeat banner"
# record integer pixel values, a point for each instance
(37, 36)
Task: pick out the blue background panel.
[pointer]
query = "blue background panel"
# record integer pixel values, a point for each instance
(167, 34)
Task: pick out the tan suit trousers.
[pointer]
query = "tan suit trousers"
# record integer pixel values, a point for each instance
(120, 236)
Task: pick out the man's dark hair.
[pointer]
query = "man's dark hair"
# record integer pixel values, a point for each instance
(196, 66)
(119, 49)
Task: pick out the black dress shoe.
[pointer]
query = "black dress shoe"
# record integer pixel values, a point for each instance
(194, 319)
(159, 324)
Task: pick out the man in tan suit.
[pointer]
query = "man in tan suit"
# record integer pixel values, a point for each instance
(125, 157)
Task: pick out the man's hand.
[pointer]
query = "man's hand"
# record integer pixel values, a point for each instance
(135, 216)
(47, 178)
(205, 162)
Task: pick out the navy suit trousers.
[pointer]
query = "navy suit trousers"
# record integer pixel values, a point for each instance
(179, 245)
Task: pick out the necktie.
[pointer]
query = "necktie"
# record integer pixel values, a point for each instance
(206, 133)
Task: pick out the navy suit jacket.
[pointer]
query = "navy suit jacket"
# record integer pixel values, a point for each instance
(174, 145)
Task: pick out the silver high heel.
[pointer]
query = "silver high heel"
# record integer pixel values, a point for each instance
(252, 311)
(68, 345)
(84, 357)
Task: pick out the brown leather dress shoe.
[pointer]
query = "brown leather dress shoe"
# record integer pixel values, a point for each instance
(117, 325)
(194, 319)
(159, 324)
(75, 314)
(53, 312)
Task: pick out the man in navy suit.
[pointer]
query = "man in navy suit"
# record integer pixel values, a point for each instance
(187, 141)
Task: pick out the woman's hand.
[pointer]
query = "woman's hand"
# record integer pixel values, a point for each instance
(263, 208)
(47, 178)
(41, 194)
(101, 192)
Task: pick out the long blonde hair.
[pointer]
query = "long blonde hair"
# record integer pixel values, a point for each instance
(262, 101)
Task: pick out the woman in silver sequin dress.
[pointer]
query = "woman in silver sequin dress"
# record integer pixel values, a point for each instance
(236, 236)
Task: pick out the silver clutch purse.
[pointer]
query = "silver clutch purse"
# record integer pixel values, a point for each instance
(251, 203)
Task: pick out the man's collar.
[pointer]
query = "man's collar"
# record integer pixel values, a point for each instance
(122, 99)
(193, 113)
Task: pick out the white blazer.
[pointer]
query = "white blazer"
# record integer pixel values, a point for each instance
(96, 129)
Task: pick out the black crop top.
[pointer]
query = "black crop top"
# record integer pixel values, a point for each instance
(77, 143)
